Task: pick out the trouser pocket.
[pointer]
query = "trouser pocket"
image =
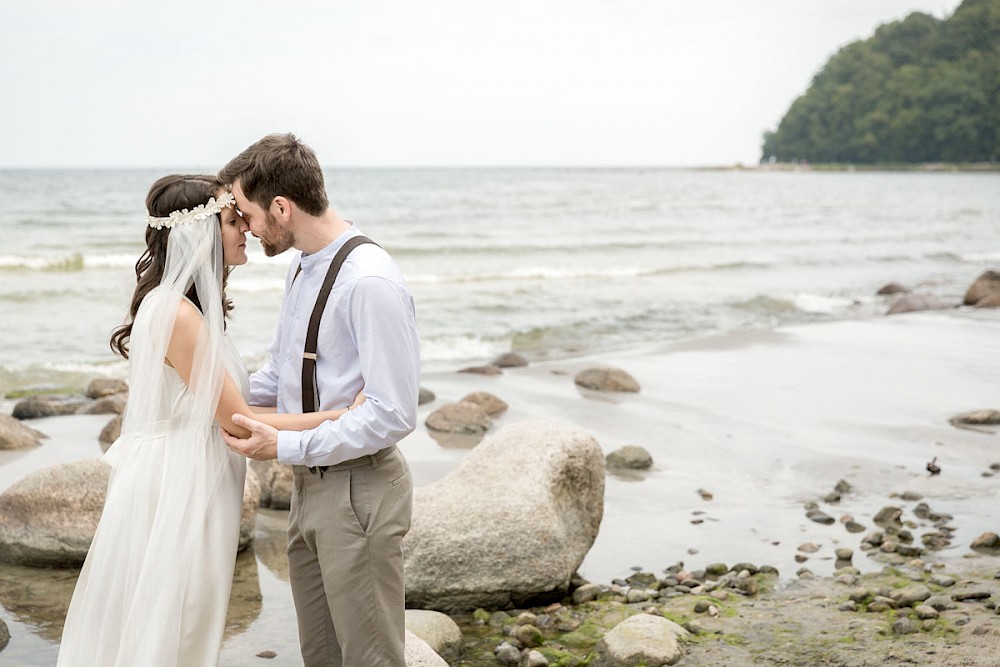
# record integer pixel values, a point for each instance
(361, 497)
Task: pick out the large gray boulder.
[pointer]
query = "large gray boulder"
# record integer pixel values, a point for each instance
(48, 519)
(510, 524)
(275, 483)
(417, 653)
(440, 632)
(642, 639)
(14, 434)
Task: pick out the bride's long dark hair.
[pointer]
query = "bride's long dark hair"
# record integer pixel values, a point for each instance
(166, 195)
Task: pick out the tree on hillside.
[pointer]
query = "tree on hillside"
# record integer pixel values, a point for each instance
(918, 90)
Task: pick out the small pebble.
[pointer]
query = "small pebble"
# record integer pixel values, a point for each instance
(267, 654)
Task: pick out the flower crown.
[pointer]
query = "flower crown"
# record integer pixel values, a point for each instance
(184, 216)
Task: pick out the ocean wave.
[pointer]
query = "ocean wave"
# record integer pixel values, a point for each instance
(554, 273)
(802, 302)
(461, 348)
(981, 257)
(59, 374)
(67, 262)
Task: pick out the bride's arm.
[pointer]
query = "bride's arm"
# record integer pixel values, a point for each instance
(180, 355)
(232, 402)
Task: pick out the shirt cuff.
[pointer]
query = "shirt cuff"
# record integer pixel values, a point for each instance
(289, 447)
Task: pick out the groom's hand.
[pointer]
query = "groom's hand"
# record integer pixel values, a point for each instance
(261, 445)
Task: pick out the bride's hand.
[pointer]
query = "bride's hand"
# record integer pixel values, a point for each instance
(358, 400)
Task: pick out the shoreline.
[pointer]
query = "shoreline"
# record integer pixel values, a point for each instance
(765, 421)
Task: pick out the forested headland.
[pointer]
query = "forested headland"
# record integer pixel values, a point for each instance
(919, 90)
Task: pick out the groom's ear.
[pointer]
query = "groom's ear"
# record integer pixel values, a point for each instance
(282, 208)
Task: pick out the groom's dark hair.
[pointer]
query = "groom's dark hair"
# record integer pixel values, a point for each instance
(279, 165)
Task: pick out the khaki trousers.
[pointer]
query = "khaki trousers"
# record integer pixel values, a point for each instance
(345, 560)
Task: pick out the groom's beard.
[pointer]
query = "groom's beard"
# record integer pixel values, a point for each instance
(275, 240)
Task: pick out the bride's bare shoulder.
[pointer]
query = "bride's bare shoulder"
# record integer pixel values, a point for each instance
(188, 321)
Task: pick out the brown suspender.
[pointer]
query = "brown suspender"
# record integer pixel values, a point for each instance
(310, 387)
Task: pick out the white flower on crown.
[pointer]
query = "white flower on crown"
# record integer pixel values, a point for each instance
(185, 217)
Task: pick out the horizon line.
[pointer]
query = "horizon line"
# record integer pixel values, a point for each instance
(728, 165)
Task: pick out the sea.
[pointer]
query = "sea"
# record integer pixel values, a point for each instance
(550, 263)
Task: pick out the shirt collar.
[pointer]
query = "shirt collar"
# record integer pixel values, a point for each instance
(327, 253)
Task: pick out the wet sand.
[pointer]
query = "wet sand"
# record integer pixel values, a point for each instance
(764, 421)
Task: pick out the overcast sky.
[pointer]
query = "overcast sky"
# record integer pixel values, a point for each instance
(404, 82)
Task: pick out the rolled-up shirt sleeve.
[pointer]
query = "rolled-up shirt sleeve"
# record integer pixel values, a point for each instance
(383, 329)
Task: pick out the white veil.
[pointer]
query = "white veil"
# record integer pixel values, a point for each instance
(193, 258)
(155, 586)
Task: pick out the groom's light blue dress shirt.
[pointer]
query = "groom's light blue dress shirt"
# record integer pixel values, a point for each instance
(367, 341)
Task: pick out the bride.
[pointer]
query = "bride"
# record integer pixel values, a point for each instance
(155, 586)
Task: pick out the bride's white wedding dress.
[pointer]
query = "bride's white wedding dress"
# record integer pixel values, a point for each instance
(154, 589)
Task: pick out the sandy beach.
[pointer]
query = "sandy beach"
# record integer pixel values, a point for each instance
(764, 422)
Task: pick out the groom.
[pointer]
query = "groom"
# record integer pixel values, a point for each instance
(347, 325)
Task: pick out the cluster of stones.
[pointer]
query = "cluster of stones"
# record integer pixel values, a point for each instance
(716, 580)
(814, 513)
(920, 605)
(102, 396)
(984, 292)
(644, 636)
(465, 422)
(894, 538)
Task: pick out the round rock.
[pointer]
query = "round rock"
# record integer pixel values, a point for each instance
(510, 360)
(911, 303)
(35, 407)
(14, 434)
(643, 638)
(490, 404)
(892, 288)
(489, 369)
(977, 418)
(631, 457)
(987, 542)
(440, 632)
(425, 396)
(417, 653)
(110, 433)
(102, 387)
(606, 379)
(106, 405)
(986, 284)
(462, 417)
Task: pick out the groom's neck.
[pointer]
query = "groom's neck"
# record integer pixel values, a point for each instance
(313, 233)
